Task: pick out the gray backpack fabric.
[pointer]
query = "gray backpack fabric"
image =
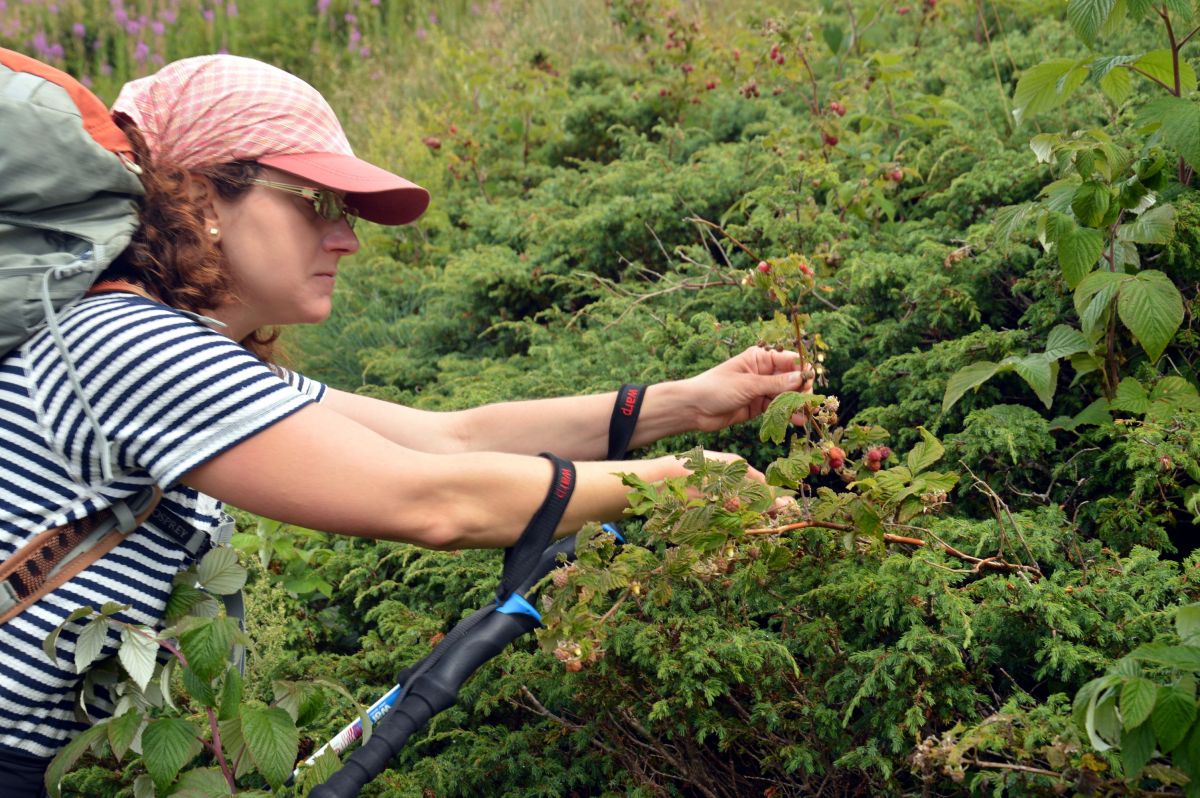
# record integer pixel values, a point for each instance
(68, 204)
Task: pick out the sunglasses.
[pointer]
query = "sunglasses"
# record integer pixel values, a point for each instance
(328, 204)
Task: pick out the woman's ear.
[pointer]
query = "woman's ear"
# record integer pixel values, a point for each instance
(203, 194)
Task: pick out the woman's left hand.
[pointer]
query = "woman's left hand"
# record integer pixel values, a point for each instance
(741, 388)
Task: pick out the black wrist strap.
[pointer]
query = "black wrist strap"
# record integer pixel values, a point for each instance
(523, 556)
(624, 420)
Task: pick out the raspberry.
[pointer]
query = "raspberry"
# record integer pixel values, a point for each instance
(872, 465)
(687, 69)
(873, 456)
(560, 577)
(836, 463)
(805, 269)
(896, 175)
(561, 654)
(574, 666)
(437, 638)
(733, 504)
(432, 142)
(837, 108)
(829, 139)
(902, 10)
(453, 128)
(774, 54)
(884, 452)
(764, 267)
(710, 85)
(813, 469)
(836, 452)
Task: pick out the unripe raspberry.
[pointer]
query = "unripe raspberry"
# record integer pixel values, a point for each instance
(574, 666)
(635, 588)
(453, 128)
(733, 504)
(872, 465)
(560, 577)
(561, 654)
(764, 267)
(835, 452)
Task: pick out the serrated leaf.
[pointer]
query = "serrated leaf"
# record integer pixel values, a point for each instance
(1043, 146)
(231, 695)
(220, 573)
(143, 787)
(90, 643)
(273, 740)
(50, 643)
(1040, 372)
(1009, 220)
(1090, 203)
(68, 755)
(1157, 64)
(1152, 308)
(1172, 395)
(1187, 623)
(1093, 296)
(202, 783)
(1137, 746)
(1137, 701)
(320, 770)
(1185, 658)
(1173, 714)
(1079, 248)
(201, 690)
(1117, 85)
(925, 453)
(1179, 120)
(1064, 341)
(1087, 17)
(122, 730)
(137, 655)
(207, 646)
(1155, 226)
(1131, 397)
(167, 745)
(777, 417)
(1046, 86)
(183, 599)
(966, 378)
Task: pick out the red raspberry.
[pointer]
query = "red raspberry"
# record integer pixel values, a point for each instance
(687, 69)
(884, 452)
(737, 54)
(873, 465)
(712, 84)
(574, 666)
(764, 267)
(662, 92)
(836, 463)
(733, 504)
(774, 54)
(813, 469)
(805, 269)
(837, 108)
(829, 139)
(902, 10)
(432, 142)
(453, 128)
(561, 654)
(873, 456)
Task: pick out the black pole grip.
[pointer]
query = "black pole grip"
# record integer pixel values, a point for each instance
(430, 693)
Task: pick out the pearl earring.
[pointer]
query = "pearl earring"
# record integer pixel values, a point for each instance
(212, 231)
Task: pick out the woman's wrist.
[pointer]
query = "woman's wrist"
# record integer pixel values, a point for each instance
(668, 409)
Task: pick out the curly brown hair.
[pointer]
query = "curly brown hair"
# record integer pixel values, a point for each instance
(172, 256)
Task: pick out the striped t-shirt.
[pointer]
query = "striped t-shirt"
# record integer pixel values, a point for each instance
(169, 394)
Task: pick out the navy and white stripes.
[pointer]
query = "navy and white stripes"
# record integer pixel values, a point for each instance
(170, 395)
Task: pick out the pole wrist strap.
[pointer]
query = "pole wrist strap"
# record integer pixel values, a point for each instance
(523, 556)
(624, 420)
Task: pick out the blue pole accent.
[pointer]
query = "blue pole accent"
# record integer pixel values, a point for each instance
(517, 605)
(612, 530)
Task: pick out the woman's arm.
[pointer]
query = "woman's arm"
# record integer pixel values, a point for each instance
(319, 469)
(577, 426)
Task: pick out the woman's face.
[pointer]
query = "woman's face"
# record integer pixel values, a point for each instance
(283, 256)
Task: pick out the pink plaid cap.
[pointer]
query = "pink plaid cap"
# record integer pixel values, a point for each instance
(214, 109)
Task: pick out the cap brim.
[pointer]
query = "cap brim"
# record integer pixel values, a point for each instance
(378, 195)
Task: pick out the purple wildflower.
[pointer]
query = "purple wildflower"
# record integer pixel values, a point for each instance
(133, 27)
(355, 37)
(433, 18)
(120, 15)
(231, 9)
(106, 69)
(53, 9)
(79, 30)
(158, 28)
(86, 80)
(350, 18)
(140, 52)
(322, 6)
(475, 9)
(209, 14)
(364, 51)
(373, 2)
(421, 33)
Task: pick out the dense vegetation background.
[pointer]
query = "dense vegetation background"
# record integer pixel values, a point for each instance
(978, 217)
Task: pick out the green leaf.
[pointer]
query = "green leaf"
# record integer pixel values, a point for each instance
(1043, 145)
(1064, 341)
(1117, 85)
(1152, 308)
(90, 643)
(1155, 226)
(1093, 296)
(1137, 746)
(321, 769)
(273, 740)
(778, 416)
(207, 646)
(1173, 714)
(143, 787)
(1040, 372)
(1172, 395)
(167, 745)
(1157, 64)
(1087, 17)
(202, 783)
(137, 654)
(966, 378)
(122, 731)
(1090, 203)
(220, 573)
(1079, 248)
(1131, 397)
(1186, 658)
(1179, 120)
(1046, 86)
(833, 36)
(201, 690)
(925, 453)
(1187, 622)
(183, 599)
(1137, 701)
(231, 695)
(68, 755)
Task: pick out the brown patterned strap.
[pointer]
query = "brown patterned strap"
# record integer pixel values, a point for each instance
(30, 572)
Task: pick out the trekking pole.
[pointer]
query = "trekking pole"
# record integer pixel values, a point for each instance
(432, 685)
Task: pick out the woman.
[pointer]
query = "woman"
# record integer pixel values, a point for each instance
(251, 195)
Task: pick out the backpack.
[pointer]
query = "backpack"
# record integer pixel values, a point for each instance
(69, 192)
